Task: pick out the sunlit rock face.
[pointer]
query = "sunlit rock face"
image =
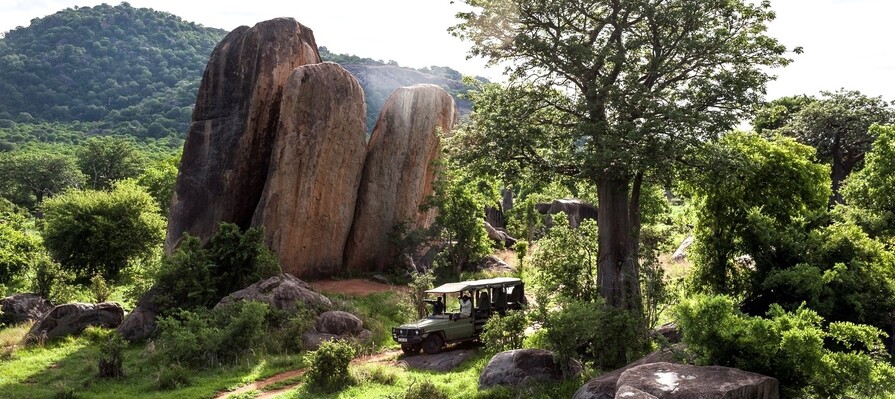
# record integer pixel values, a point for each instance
(399, 172)
(227, 152)
(308, 203)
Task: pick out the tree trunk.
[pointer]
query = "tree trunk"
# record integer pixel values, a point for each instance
(618, 221)
(838, 173)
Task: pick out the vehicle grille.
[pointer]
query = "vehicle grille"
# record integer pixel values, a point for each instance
(404, 332)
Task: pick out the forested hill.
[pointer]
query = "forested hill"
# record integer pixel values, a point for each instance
(135, 69)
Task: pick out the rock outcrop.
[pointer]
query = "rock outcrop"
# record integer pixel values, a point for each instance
(283, 292)
(523, 366)
(337, 322)
(399, 173)
(500, 235)
(576, 210)
(604, 386)
(72, 318)
(307, 205)
(20, 308)
(680, 381)
(139, 324)
(227, 152)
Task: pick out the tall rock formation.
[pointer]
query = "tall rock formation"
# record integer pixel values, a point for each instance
(308, 203)
(399, 172)
(228, 149)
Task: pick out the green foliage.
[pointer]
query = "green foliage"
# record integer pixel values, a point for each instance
(837, 125)
(96, 232)
(159, 179)
(458, 223)
(30, 176)
(136, 70)
(418, 286)
(111, 358)
(105, 160)
(328, 366)
(794, 347)
(566, 260)
(423, 390)
(759, 199)
(100, 288)
(845, 276)
(779, 113)
(197, 277)
(870, 192)
(503, 333)
(172, 377)
(18, 250)
(203, 338)
(619, 339)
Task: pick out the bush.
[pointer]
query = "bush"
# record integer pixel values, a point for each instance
(51, 281)
(110, 356)
(794, 347)
(503, 333)
(172, 377)
(204, 338)
(608, 336)
(196, 277)
(376, 375)
(567, 261)
(18, 249)
(423, 390)
(97, 232)
(99, 288)
(328, 366)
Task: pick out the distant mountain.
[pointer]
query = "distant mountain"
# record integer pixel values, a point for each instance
(380, 79)
(136, 71)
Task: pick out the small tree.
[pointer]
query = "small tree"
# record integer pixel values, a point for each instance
(94, 232)
(459, 223)
(328, 366)
(105, 160)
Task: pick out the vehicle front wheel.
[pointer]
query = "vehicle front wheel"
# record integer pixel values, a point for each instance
(433, 344)
(411, 349)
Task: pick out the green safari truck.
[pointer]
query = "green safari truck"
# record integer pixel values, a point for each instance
(465, 323)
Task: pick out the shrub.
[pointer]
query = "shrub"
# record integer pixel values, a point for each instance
(608, 336)
(110, 356)
(99, 288)
(92, 232)
(197, 277)
(794, 347)
(503, 333)
(204, 338)
(18, 249)
(376, 374)
(51, 281)
(172, 377)
(328, 366)
(423, 390)
(567, 261)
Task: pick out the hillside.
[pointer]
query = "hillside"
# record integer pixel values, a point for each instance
(135, 71)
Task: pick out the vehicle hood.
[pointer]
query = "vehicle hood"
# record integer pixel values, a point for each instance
(423, 324)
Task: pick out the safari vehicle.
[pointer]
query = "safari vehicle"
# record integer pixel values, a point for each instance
(488, 297)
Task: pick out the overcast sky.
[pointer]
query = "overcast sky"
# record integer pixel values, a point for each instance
(846, 42)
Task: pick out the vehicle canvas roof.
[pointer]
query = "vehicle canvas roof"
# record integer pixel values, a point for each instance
(475, 284)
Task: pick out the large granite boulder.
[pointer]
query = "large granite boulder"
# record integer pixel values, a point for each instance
(337, 322)
(523, 366)
(72, 318)
(680, 381)
(576, 210)
(604, 386)
(139, 324)
(307, 205)
(283, 292)
(399, 173)
(20, 308)
(226, 156)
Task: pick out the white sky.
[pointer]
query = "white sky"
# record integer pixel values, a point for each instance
(846, 42)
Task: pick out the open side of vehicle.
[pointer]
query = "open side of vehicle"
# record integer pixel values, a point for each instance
(486, 297)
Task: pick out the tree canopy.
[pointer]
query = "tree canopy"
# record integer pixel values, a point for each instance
(629, 88)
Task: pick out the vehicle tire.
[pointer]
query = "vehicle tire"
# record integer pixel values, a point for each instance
(433, 344)
(411, 349)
